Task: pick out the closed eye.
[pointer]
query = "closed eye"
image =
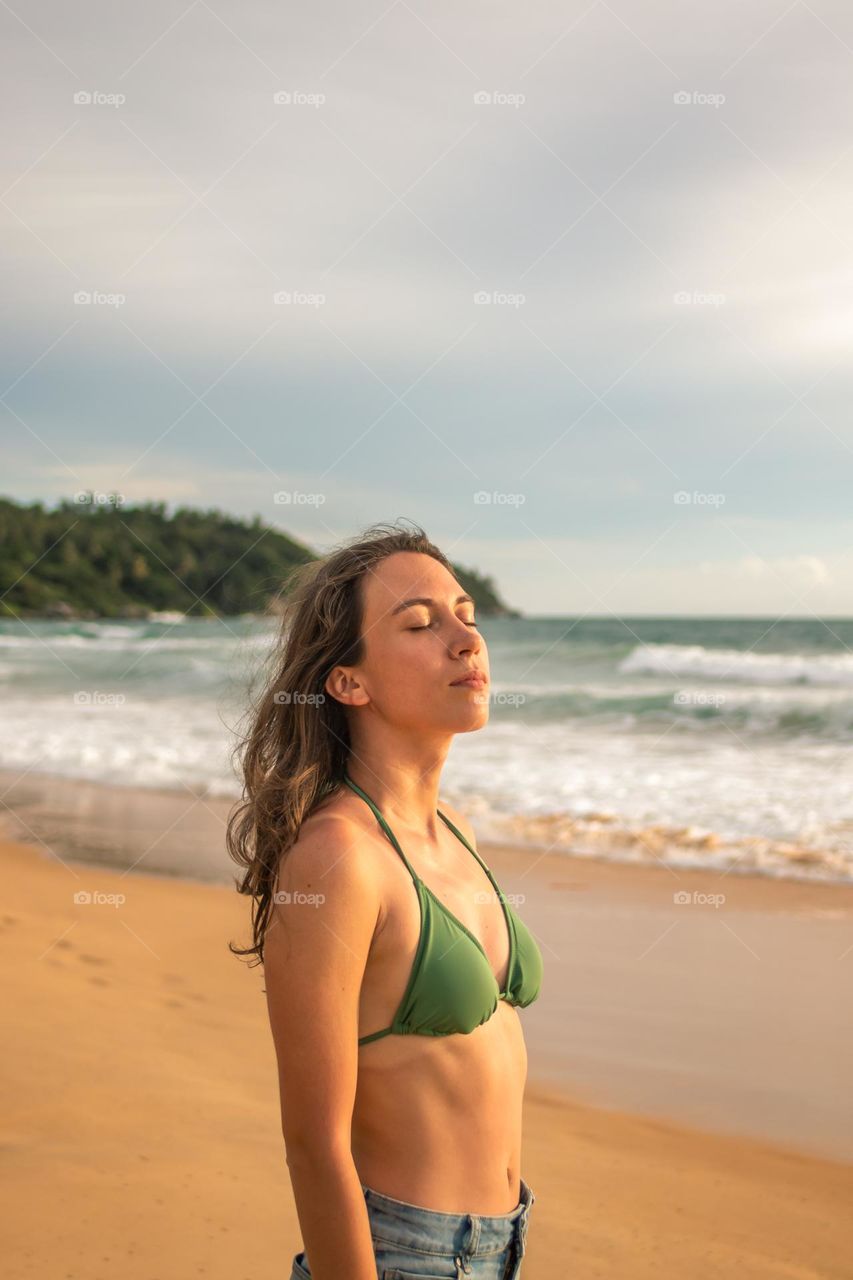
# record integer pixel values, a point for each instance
(427, 625)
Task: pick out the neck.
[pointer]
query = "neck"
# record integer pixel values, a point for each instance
(403, 794)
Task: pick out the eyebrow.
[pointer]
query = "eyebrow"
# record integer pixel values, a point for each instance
(407, 604)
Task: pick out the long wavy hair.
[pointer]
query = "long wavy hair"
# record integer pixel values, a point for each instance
(295, 749)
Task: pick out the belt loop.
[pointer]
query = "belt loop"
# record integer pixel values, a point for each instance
(470, 1241)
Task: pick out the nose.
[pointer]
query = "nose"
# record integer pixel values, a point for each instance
(467, 639)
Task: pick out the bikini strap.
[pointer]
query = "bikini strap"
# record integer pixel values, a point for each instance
(383, 824)
(470, 849)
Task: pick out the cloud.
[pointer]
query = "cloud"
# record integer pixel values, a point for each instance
(801, 570)
(597, 200)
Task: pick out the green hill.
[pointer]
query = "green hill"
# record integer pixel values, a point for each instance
(90, 560)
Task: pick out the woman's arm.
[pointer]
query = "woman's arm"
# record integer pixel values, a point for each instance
(315, 954)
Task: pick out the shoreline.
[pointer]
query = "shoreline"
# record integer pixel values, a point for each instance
(719, 1016)
(147, 1117)
(86, 817)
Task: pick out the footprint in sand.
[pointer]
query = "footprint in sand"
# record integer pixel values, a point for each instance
(92, 959)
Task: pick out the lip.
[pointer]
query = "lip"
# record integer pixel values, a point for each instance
(473, 680)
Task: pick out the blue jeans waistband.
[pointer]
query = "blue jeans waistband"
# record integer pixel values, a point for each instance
(397, 1222)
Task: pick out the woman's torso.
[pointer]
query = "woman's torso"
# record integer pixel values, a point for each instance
(436, 1119)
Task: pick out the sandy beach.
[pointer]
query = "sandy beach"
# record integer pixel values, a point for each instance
(142, 1137)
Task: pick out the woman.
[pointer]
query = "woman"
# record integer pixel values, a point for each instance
(394, 967)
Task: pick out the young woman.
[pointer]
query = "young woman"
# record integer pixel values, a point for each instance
(394, 966)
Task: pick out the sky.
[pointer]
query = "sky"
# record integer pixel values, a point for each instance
(569, 285)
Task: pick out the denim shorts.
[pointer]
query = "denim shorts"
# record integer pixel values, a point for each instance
(412, 1243)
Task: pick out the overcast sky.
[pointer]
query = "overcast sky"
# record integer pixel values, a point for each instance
(651, 412)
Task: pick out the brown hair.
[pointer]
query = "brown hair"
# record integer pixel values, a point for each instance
(295, 750)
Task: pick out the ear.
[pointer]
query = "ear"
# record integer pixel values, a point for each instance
(344, 687)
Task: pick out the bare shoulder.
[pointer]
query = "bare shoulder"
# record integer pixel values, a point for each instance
(332, 850)
(327, 905)
(459, 820)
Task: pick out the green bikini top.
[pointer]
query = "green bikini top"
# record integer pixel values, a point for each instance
(451, 988)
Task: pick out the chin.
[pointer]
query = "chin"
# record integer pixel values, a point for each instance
(476, 718)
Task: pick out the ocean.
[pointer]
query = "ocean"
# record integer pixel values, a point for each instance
(718, 743)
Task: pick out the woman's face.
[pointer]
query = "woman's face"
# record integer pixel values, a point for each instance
(420, 635)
